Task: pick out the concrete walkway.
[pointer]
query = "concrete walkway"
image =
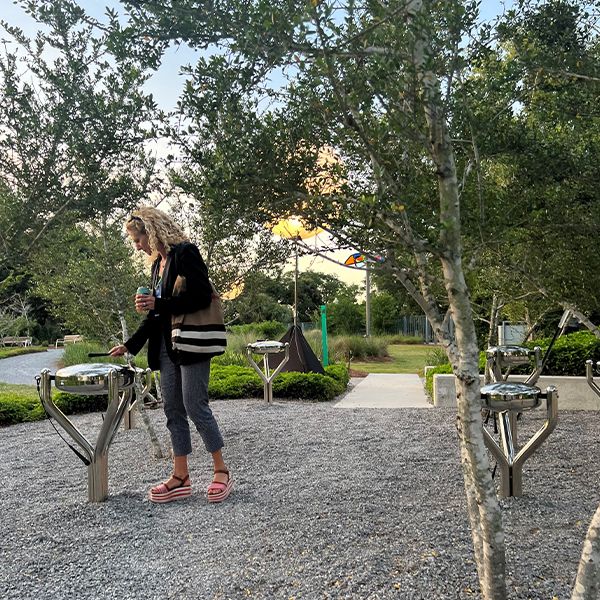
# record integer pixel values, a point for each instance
(23, 368)
(386, 390)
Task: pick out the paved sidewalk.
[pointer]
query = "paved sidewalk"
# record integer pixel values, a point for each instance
(22, 369)
(386, 390)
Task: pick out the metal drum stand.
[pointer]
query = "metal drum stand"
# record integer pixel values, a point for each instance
(507, 357)
(505, 400)
(118, 381)
(589, 372)
(265, 348)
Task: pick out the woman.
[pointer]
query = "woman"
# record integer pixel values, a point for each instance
(184, 376)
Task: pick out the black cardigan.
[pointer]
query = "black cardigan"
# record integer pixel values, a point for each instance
(183, 259)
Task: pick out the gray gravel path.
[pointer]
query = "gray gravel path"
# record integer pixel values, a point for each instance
(24, 368)
(360, 503)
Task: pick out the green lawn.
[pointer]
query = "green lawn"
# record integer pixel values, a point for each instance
(26, 391)
(404, 358)
(18, 350)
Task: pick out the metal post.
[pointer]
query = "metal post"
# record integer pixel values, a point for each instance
(324, 335)
(130, 418)
(368, 302)
(296, 286)
(536, 441)
(138, 394)
(268, 391)
(589, 372)
(98, 478)
(57, 414)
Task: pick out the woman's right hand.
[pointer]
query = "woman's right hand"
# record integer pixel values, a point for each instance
(118, 350)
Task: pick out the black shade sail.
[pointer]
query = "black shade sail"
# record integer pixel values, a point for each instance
(302, 358)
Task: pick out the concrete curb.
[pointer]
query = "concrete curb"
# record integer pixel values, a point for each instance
(574, 393)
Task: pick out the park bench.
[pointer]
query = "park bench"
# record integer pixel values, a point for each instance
(69, 339)
(12, 340)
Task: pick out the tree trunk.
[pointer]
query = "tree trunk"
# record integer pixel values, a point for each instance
(493, 330)
(124, 331)
(482, 504)
(587, 584)
(484, 512)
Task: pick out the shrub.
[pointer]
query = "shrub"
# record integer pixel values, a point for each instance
(567, 357)
(226, 382)
(436, 356)
(234, 382)
(339, 373)
(357, 347)
(18, 406)
(244, 382)
(442, 370)
(15, 409)
(569, 353)
(72, 404)
(268, 330)
(306, 386)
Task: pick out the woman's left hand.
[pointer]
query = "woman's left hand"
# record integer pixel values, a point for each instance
(144, 302)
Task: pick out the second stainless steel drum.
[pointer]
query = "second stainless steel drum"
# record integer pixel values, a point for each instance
(510, 355)
(510, 396)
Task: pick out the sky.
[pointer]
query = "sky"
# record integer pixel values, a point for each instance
(167, 83)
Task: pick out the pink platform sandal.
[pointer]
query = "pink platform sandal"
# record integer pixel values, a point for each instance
(217, 492)
(162, 494)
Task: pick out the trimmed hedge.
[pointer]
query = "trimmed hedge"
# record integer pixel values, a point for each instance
(226, 382)
(21, 407)
(569, 353)
(243, 382)
(17, 408)
(439, 370)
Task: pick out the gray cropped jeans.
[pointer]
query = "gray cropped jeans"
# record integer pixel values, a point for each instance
(185, 394)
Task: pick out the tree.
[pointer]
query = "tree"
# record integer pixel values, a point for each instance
(232, 249)
(261, 300)
(271, 298)
(74, 122)
(533, 206)
(373, 82)
(345, 317)
(384, 312)
(89, 276)
(314, 290)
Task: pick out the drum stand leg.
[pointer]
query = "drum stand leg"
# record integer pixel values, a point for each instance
(98, 479)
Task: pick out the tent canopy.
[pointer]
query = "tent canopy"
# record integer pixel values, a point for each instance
(302, 358)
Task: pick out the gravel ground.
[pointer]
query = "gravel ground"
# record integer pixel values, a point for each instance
(329, 503)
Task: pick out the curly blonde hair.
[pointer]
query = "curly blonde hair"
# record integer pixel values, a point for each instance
(161, 229)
